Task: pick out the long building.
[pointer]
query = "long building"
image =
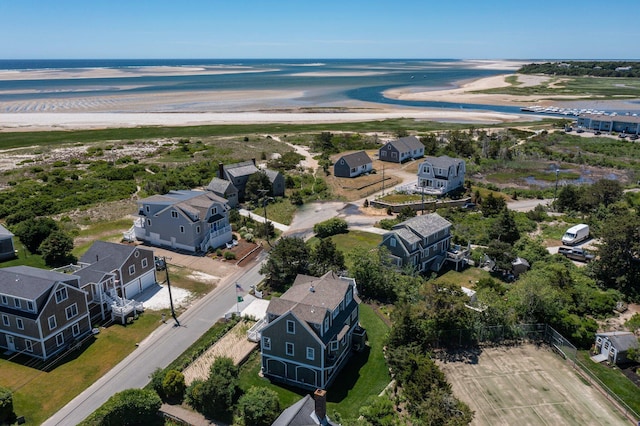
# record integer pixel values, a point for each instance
(629, 124)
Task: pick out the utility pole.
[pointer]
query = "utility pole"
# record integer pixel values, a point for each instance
(422, 187)
(555, 192)
(383, 179)
(173, 312)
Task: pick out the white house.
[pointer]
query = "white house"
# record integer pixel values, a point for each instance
(440, 175)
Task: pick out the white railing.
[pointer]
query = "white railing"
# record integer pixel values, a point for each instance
(254, 334)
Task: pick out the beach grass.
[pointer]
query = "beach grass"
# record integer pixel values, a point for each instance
(586, 87)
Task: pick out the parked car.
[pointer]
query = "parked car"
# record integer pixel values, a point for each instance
(160, 264)
(575, 253)
(597, 132)
(469, 206)
(576, 234)
(633, 137)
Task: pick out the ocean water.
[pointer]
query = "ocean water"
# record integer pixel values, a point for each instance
(321, 81)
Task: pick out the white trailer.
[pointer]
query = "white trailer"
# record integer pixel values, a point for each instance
(576, 234)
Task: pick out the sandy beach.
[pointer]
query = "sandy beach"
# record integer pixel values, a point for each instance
(210, 107)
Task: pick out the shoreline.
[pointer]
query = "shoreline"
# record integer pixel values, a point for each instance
(47, 121)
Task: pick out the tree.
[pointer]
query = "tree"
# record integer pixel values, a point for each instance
(287, 259)
(129, 407)
(618, 264)
(430, 142)
(296, 198)
(504, 228)
(215, 396)
(492, 205)
(32, 232)
(406, 213)
(501, 253)
(374, 274)
(326, 257)
(379, 411)
(258, 407)
(56, 249)
(256, 184)
(567, 198)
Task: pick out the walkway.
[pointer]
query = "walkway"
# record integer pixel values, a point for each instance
(187, 416)
(261, 219)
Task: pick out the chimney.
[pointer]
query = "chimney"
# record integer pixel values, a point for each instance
(254, 161)
(221, 171)
(320, 398)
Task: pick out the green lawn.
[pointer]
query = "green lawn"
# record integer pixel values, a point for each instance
(613, 378)
(365, 375)
(349, 241)
(465, 278)
(37, 394)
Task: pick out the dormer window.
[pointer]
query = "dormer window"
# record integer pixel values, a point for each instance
(17, 304)
(4, 300)
(214, 210)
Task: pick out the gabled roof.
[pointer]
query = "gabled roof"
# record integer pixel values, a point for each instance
(4, 232)
(442, 162)
(190, 202)
(621, 340)
(244, 168)
(302, 413)
(221, 186)
(424, 225)
(408, 143)
(271, 174)
(356, 159)
(309, 298)
(103, 258)
(29, 283)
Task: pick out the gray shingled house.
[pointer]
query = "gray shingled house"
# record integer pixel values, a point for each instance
(239, 173)
(311, 331)
(400, 150)
(7, 249)
(43, 312)
(421, 242)
(352, 165)
(194, 221)
(225, 189)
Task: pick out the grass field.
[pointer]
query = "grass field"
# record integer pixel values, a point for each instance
(528, 385)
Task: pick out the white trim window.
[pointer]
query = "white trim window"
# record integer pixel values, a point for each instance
(326, 324)
(132, 269)
(266, 343)
(75, 329)
(5, 300)
(181, 229)
(30, 307)
(144, 263)
(174, 214)
(52, 322)
(392, 242)
(291, 327)
(333, 345)
(148, 222)
(61, 294)
(311, 353)
(289, 349)
(60, 339)
(17, 304)
(28, 345)
(5, 320)
(19, 323)
(72, 311)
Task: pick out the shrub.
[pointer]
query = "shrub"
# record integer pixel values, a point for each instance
(229, 255)
(258, 407)
(6, 406)
(330, 227)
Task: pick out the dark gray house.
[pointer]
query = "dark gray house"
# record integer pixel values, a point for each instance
(225, 189)
(400, 150)
(311, 331)
(42, 311)
(239, 173)
(421, 242)
(186, 220)
(352, 165)
(7, 249)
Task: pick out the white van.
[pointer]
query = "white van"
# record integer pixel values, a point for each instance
(576, 234)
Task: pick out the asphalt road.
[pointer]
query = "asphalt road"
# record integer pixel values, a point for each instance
(160, 348)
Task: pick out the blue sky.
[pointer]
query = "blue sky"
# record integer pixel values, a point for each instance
(460, 29)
